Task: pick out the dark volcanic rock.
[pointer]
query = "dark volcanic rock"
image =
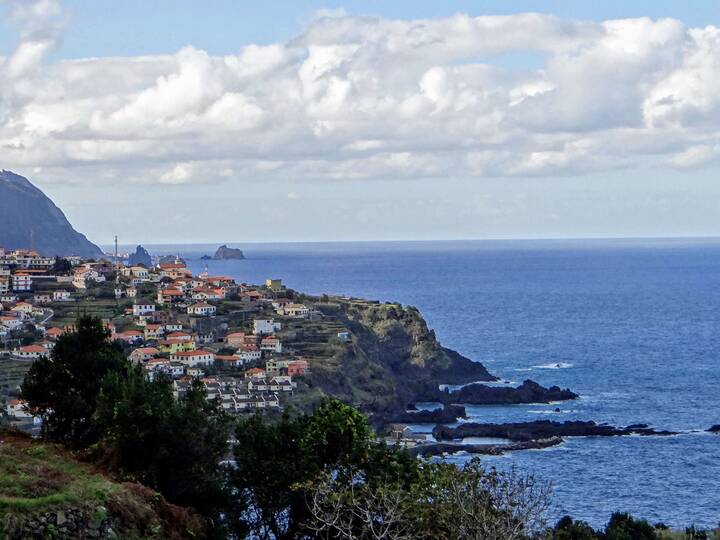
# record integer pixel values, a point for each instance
(528, 392)
(141, 256)
(29, 219)
(435, 449)
(541, 429)
(224, 252)
(446, 415)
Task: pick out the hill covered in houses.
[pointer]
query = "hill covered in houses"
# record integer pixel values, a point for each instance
(256, 347)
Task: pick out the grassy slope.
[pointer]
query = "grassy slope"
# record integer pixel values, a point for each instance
(37, 478)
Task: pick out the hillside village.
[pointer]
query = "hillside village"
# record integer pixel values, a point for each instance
(248, 344)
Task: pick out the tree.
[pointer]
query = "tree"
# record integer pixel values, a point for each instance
(443, 502)
(625, 527)
(63, 389)
(568, 529)
(174, 446)
(61, 267)
(275, 464)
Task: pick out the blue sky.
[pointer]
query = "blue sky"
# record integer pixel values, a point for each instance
(134, 27)
(272, 121)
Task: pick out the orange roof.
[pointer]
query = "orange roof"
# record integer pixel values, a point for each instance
(171, 292)
(33, 349)
(255, 370)
(147, 350)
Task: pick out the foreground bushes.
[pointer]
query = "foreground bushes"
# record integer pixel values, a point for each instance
(322, 475)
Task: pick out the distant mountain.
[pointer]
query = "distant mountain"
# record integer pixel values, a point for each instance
(29, 219)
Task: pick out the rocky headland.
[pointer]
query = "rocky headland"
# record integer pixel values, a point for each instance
(29, 219)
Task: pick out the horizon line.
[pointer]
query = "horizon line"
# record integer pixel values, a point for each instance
(401, 240)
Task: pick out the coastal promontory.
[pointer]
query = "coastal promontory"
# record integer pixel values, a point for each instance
(29, 219)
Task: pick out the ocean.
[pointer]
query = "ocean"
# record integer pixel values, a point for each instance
(633, 326)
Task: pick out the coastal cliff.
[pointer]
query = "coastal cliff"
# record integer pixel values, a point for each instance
(390, 359)
(29, 219)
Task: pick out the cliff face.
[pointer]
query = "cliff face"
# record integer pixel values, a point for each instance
(28, 218)
(392, 359)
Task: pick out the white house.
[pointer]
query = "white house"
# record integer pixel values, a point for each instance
(143, 309)
(16, 408)
(21, 282)
(271, 344)
(248, 353)
(201, 309)
(136, 271)
(11, 323)
(84, 275)
(61, 296)
(30, 351)
(193, 358)
(265, 326)
(298, 311)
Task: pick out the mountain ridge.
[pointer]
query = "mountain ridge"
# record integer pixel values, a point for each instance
(30, 219)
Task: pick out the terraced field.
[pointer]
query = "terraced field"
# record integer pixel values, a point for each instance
(12, 372)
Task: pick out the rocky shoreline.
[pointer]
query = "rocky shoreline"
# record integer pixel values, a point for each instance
(528, 392)
(541, 429)
(439, 448)
(445, 415)
(535, 435)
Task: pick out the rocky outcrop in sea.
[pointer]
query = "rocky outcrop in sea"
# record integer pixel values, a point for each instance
(225, 253)
(140, 257)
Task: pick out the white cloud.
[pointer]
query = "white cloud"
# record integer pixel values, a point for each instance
(366, 97)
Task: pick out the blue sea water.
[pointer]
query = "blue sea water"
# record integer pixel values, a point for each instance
(634, 326)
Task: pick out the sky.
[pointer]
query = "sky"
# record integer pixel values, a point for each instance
(224, 121)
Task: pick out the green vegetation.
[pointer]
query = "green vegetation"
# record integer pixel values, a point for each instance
(625, 527)
(45, 479)
(12, 373)
(319, 474)
(171, 445)
(63, 388)
(36, 477)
